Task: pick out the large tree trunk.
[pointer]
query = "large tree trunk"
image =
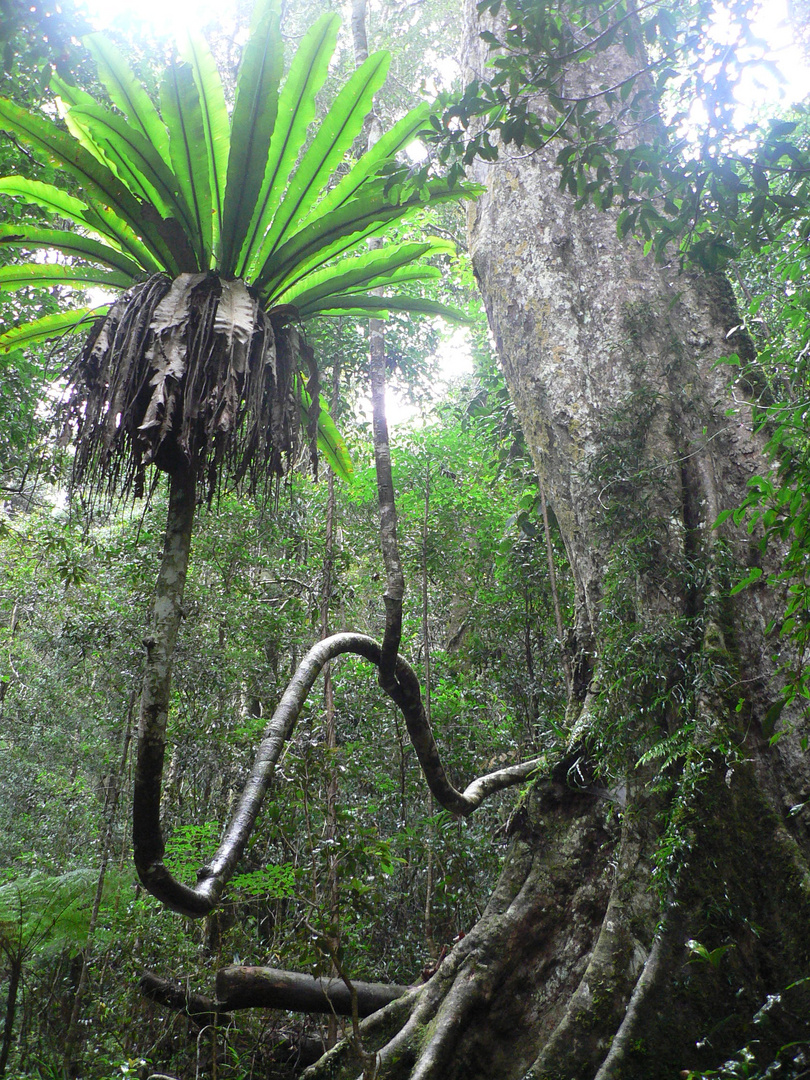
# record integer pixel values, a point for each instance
(638, 927)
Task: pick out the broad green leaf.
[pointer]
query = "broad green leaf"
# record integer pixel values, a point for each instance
(379, 306)
(69, 242)
(43, 275)
(296, 111)
(314, 305)
(753, 575)
(127, 93)
(367, 271)
(48, 327)
(336, 133)
(83, 136)
(137, 163)
(180, 103)
(216, 125)
(70, 97)
(48, 196)
(254, 119)
(384, 150)
(341, 231)
(98, 181)
(330, 441)
(99, 219)
(70, 94)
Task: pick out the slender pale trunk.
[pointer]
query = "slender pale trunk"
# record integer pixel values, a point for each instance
(167, 611)
(332, 888)
(429, 939)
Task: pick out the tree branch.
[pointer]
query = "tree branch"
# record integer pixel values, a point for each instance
(241, 987)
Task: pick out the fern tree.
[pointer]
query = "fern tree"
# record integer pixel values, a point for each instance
(225, 233)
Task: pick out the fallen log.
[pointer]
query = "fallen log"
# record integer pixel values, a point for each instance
(202, 1010)
(240, 987)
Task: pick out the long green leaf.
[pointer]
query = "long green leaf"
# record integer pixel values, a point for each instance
(48, 196)
(296, 112)
(83, 136)
(194, 50)
(49, 326)
(254, 118)
(136, 161)
(381, 153)
(70, 94)
(127, 93)
(99, 219)
(97, 180)
(336, 133)
(341, 231)
(379, 306)
(69, 242)
(68, 97)
(43, 275)
(330, 441)
(313, 305)
(182, 112)
(367, 271)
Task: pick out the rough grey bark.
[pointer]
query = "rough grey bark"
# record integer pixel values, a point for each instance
(580, 968)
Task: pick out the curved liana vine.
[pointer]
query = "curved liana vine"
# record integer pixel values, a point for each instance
(198, 900)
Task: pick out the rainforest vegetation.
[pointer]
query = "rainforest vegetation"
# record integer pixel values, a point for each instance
(470, 742)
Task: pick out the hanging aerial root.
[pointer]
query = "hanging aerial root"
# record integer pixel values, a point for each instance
(197, 901)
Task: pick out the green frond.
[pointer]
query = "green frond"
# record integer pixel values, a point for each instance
(70, 94)
(127, 93)
(341, 231)
(296, 111)
(135, 161)
(367, 169)
(99, 182)
(48, 196)
(378, 307)
(44, 275)
(254, 119)
(330, 442)
(216, 124)
(49, 327)
(389, 265)
(336, 133)
(69, 242)
(180, 104)
(97, 219)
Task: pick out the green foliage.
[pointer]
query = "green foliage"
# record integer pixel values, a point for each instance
(780, 1013)
(708, 195)
(45, 911)
(776, 512)
(174, 190)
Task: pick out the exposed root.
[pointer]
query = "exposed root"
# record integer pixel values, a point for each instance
(496, 996)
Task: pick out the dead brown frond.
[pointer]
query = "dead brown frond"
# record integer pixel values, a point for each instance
(184, 372)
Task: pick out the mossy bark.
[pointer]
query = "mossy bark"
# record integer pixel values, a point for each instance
(581, 968)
